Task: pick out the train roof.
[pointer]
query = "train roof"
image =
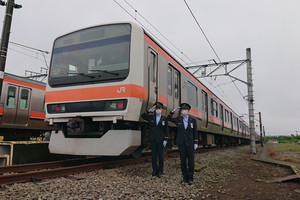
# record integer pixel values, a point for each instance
(23, 79)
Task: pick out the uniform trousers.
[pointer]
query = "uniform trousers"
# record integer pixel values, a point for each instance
(187, 154)
(157, 149)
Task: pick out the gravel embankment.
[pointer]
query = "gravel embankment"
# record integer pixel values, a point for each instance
(135, 181)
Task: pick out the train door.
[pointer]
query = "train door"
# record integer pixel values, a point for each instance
(231, 122)
(176, 99)
(23, 113)
(222, 117)
(173, 87)
(204, 109)
(16, 108)
(153, 78)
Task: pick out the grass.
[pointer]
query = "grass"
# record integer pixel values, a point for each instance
(285, 151)
(287, 147)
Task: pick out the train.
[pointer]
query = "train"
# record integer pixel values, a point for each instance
(22, 109)
(102, 78)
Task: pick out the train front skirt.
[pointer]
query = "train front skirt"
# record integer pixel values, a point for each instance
(113, 143)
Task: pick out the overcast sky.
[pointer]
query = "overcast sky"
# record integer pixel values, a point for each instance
(269, 27)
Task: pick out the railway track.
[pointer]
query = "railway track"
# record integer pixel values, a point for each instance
(38, 171)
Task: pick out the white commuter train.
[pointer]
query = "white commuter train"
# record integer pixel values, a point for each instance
(102, 79)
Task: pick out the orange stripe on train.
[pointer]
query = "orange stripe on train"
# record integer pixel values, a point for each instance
(195, 113)
(37, 115)
(162, 99)
(106, 92)
(1, 111)
(9, 80)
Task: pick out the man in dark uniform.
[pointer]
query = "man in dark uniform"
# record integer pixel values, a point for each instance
(186, 139)
(158, 136)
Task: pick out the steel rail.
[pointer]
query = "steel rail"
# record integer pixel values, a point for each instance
(45, 165)
(68, 170)
(63, 171)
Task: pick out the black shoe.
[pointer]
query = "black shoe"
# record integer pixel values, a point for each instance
(183, 181)
(159, 175)
(154, 173)
(190, 182)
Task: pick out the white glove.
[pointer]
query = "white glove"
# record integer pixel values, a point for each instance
(176, 109)
(195, 146)
(165, 143)
(152, 109)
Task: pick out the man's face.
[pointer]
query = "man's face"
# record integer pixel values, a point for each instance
(158, 110)
(184, 111)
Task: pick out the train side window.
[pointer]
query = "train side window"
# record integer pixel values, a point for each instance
(176, 84)
(170, 81)
(24, 99)
(11, 97)
(152, 66)
(192, 94)
(226, 116)
(214, 108)
(227, 120)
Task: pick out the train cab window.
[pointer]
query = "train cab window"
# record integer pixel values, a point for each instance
(192, 94)
(24, 99)
(170, 81)
(176, 84)
(152, 66)
(11, 97)
(214, 108)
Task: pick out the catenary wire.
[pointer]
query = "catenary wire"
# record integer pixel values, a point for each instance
(210, 43)
(135, 17)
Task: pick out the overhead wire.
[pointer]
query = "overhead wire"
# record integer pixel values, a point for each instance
(160, 33)
(32, 50)
(166, 46)
(187, 64)
(213, 49)
(25, 54)
(202, 30)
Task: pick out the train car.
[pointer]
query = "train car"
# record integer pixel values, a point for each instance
(102, 79)
(22, 112)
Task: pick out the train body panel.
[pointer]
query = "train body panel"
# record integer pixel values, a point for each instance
(22, 108)
(114, 73)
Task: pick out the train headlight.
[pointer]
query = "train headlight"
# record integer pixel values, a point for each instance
(57, 108)
(115, 105)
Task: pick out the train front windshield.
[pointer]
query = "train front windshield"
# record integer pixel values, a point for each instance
(93, 55)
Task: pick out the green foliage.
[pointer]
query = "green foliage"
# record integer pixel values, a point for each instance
(285, 139)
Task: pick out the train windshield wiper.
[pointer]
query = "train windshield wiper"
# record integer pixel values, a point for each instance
(83, 74)
(104, 71)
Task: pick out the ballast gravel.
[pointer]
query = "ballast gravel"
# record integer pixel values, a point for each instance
(136, 182)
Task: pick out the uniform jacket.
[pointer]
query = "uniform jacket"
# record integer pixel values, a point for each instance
(188, 136)
(157, 133)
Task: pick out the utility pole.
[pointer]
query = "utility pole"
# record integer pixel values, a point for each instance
(10, 5)
(265, 141)
(250, 100)
(227, 72)
(261, 131)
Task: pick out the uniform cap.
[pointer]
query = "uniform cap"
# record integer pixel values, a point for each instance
(185, 106)
(158, 105)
